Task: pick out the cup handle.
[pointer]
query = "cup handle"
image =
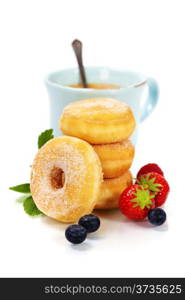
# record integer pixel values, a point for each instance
(153, 96)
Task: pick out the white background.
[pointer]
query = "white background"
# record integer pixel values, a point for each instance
(146, 36)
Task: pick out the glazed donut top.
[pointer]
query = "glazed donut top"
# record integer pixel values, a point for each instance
(99, 110)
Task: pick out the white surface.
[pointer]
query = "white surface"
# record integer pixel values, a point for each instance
(146, 36)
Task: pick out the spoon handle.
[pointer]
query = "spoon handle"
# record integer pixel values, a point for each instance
(77, 47)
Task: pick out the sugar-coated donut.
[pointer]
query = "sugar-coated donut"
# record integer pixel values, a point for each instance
(66, 178)
(115, 158)
(111, 190)
(98, 121)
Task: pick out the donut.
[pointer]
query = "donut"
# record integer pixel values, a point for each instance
(115, 158)
(111, 190)
(66, 178)
(98, 121)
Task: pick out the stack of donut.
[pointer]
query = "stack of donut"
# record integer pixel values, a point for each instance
(106, 124)
(88, 167)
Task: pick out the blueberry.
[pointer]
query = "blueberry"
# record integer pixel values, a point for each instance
(76, 234)
(157, 216)
(90, 222)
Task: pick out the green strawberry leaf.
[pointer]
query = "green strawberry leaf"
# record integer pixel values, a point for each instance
(149, 183)
(30, 208)
(21, 188)
(143, 199)
(44, 137)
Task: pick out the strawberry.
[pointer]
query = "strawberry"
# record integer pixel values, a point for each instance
(136, 201)
(156, 184)
(150, 168)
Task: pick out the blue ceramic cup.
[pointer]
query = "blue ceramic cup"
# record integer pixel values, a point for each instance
(131, 89)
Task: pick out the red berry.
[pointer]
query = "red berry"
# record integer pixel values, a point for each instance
(150, 168)
(135, 202)
(156, 184)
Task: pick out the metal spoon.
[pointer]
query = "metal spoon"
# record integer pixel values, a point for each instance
(77, 47)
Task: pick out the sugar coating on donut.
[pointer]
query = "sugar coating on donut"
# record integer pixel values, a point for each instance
(115, 149)
(95, 107)
(72, 173)
(76, 192)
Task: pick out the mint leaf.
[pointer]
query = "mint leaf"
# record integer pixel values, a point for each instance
(21, 199)
(45, 137)
(30, 207)
(21, 188)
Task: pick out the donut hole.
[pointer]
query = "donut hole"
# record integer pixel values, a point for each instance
(57, 178)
